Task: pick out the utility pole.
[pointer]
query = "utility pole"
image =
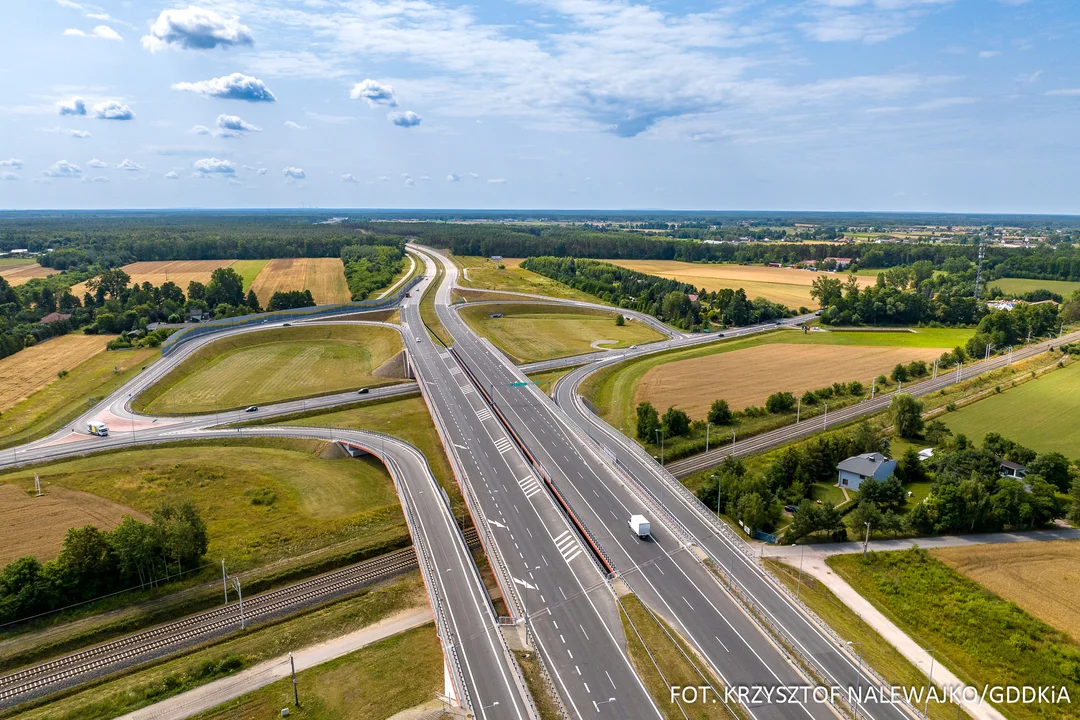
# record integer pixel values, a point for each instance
(660, 434)
(798, 593)
(978, 269)
(926, 705)
(858, 679)
(224, 581)
(866, 542)
(236, 584)
(798, 411)
(935, 370)
(825, 425)
(295, 692)
(732, 442)
(707, 428)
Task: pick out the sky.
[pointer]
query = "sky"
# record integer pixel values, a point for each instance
(875, 105)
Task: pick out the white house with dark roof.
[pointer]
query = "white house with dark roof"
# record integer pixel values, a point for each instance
(856, 469)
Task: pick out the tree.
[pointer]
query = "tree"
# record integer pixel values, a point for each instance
(676, 422)
(196, 290)
(225, 286)
(865, 512)
(252, 301)
(899, 373)
(290, 300)
(905, 413)
(648, 421)
(1074, 496)
(112, 282)
(910, 467)
(183, 533)
(86, 562)
(620, 320)
(780, 402)
(137, 546)
(720, 413)
(826, 290)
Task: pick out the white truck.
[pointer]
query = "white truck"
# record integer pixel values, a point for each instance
(639, 525)
(95, 427)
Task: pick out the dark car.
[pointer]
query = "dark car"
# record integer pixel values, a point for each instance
(362, 391)
(286, 324)
(252, 408)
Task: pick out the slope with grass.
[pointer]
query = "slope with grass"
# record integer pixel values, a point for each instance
(529, 333)
(484, 274)
(273, 365)
(1041, 414)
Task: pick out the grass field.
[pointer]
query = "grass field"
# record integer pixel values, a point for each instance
(27, 371)
(181, 272)
(324, 277)
(1019, 286)
(528, 333)
(274, 365)
(316, 501)
(142, 687)
(1043, 414)
(786, 286)
(1041, 578)
(746, 377)
(981, 637)
(17, 271)
(482, 273)
(37, 525)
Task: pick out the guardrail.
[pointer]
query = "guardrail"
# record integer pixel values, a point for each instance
(193, 331)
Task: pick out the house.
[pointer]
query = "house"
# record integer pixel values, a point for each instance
(693, 297)
(1001, 304)
(196, 315)
(841, 262)
(856, 469)
(1012, 470)
(925, 454)
(53, 317)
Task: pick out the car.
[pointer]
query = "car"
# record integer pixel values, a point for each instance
(286, 324)
(719, 334)
(252, 408)
(417, 339)
(362, 391)
(633, 347)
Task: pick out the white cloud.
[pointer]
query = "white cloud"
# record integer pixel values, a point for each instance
(496, 181)
(263, 171)
(233, 124)
(96, 179)
(74, 106)
(985, 54)
(113, 110)
(295, 125)
(172, 175)
(200, 130)
(102, 32)
(8, 175)
(453, 178)
(374, 92)
(81, 134)
(1064, 91)
(211, 165)
(129, 165)
(63, 169)
(404, 119)
(293, 172)
(230, 87)
(236, 181)
(349, 178)
(195, 28)
(95, 163)
(12, 162)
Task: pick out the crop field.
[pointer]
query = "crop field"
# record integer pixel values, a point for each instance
(19, 270)
(324, 277)
(1043, 414)
(1040, 577)
(274, 365)
(1019, 286)
(37, 525)
(261, 501)
(182, 272)
(483, 274)
(786, 286)
(747, 377)
(528, 333)
(29, 370)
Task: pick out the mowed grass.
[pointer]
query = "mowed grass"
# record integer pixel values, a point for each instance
(315, 502)
(324, 277)
(372, 683)
(31, 369)
(273, 365)
(529, 333)
(61, 400)
(483, 274)
(1019, 286)
(1040, 577)
(982, 638)
(248, 269)
(786, 286)
(1042, 414)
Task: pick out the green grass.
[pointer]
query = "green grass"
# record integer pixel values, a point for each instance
(249, 270)
(528, 333)
(16, 262)
(271, 366)
(980, 637)
(547, 380)
(877, 652)
(63, 400)
(1019, 286)
(316, 503)
(143, 687)
(1041, 414)
(534, 680)
(368, 684)
(486, 275)
(427, 308)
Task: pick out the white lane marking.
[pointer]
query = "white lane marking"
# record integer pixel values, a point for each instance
(721, 643)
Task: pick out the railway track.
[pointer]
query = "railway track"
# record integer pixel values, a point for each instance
(78, 667)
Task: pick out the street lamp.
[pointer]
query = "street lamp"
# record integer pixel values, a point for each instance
(926, 706)
(866, 542)
(660, 434)
(708, 427)
(858, 678)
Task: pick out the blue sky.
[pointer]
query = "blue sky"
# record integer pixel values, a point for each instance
(936, 105)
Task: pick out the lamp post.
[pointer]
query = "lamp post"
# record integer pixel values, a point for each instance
(858, 678)
(708, 427)
(798, 411)
(866, 542)
(926, 706)
(825, 424)
(660, 434)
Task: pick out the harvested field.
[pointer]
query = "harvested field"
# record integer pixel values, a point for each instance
(45, 520)
(748, 377)
(16, 272)
(786, 286)
(29, 370)
(180, 272)
(324, 277)
(1040, 577)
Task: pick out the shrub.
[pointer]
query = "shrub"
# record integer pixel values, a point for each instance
(261, 496)
(780, 402)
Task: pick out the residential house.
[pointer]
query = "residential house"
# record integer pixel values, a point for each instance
(855, 469)
(1012, 470)
(54, 317)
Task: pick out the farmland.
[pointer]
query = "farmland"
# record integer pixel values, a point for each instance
(483, 274)
(1040, 414)
(324, 277)
(747, 377)
(274, 365)
(24, 373)
(1019, 286)
(528, 333)
(19, 270)
(306, 502)
(182, 272)
(786, 286)
(1041, 577)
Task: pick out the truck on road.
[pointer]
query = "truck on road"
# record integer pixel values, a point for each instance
(639, 525)
(95, 427)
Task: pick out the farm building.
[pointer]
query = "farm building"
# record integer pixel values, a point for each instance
(53, 317)
(860, 467)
